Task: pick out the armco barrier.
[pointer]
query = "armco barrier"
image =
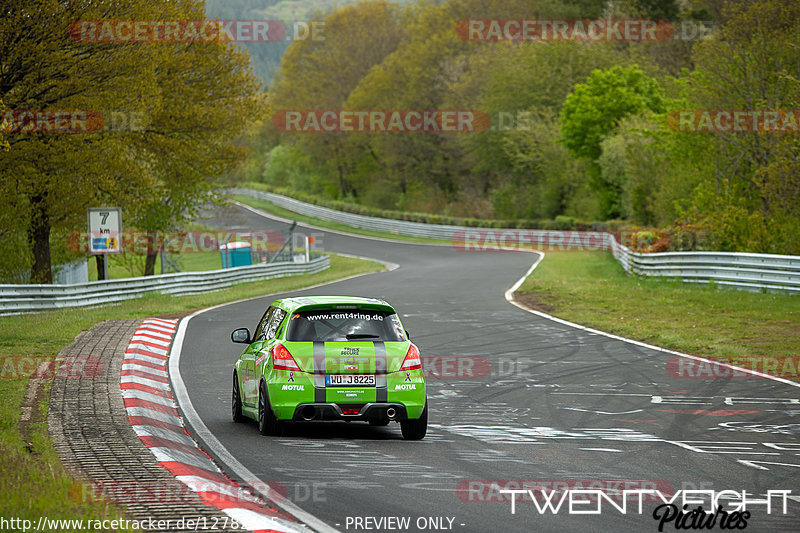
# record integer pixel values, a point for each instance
(27, 298)
(740, 270)
(401, 227)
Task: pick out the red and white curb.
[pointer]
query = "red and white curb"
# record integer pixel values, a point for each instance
(154, 416)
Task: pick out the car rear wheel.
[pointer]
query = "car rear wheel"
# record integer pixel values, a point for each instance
(236, 401)
(267, 423)
(415, 429)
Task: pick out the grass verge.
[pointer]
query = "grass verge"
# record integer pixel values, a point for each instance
(32, 481)
(130, 265)
(760, 331)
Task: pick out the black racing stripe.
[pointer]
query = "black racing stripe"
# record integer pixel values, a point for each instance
(318, 349)
(381, 390)
(319, 371)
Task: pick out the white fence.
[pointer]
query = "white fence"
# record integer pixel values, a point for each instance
(741, 270)
(16, 299)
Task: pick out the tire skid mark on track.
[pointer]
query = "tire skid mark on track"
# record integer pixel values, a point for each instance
(154, 416)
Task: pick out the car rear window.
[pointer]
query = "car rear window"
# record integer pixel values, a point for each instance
(343, 325)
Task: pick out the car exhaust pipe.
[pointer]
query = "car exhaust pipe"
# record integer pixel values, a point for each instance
(391, 413)
(308, 412)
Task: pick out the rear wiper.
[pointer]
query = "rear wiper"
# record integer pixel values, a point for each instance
(352, 336)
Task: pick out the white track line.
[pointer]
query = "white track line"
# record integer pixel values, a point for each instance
(510, 297)
(169, 447)
(199, 428)
(214, 445)
(222, 453)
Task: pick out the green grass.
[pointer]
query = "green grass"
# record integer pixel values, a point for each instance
(132, 265)
(32, 480)
(746, 328)
(336, 226)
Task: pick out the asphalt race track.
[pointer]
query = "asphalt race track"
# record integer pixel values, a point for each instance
(547, 405)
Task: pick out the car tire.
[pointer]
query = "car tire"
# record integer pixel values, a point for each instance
(415, 429)
(267, 423)
(236, 401)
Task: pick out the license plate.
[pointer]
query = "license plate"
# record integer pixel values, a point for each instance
(350, 380)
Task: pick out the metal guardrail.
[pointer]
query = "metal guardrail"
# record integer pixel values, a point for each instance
(754, 272)
(15, 299)
(740, 270)
(398, 227)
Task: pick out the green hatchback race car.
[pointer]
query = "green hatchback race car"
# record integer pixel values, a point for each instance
(329, 358)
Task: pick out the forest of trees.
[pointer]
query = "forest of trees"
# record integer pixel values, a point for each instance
(582, 131)
(266, 57)
(587, 130)
(191, 100)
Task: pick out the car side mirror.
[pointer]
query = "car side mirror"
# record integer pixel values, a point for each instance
(407, 335)
(241, 336)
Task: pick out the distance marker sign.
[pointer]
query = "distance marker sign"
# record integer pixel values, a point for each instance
(105, 230)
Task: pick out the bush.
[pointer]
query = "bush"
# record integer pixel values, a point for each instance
(648, 241)
(564, 222)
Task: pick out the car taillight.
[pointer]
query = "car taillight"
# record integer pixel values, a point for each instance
(412, 361)
(282, 359)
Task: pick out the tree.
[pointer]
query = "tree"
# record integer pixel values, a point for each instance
(426, 171)
(207, 96)
(544, 181)
(48, 178)
(522, 103)
(195, 95)
(752, 65)
(3, 141)
(319, 74)
(427, 62)
(593, 110)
